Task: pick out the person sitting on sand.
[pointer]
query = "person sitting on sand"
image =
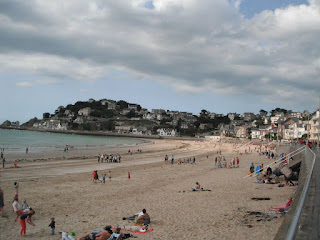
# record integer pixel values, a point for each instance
(141, 218)
(98, 234)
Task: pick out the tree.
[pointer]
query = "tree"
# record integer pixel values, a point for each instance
(46, 115)
(263, 112)
(122, 104)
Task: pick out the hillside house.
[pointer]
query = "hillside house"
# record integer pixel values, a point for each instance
(84, 111)
(166, 132)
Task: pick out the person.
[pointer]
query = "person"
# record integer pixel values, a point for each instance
(288, 204)
(27, 150)
(141, 218)
(115, 235)
(141, 229)
(172, 160)
(109, 175)
(1, 202)
(93, 175)
(104, 178)
(98, 234)
(194, 160)
(16, 186)
(15, 164)
(16, 207)
(251, 168)
(166, 158)
(26, 217)
(238, 161)
(24, 205)
(3, 162)
(129, 175)
(52, 225)
(197, 188)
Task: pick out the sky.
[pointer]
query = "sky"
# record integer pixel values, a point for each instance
(187, 55)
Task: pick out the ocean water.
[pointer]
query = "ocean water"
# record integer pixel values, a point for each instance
(16, 141)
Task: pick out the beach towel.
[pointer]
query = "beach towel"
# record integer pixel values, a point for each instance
(150, 230)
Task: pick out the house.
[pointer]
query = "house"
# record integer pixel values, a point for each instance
(315, 126)
(133, 107)
(241, 132)
(84, 111)
(148, 116)
(123, 129)
(166, 132)
(255, 133)
(158, 111)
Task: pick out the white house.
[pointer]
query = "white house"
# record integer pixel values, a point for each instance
(255, 133)
(166, 132)
(84, 111)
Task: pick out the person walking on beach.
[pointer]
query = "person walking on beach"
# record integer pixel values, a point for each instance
(194, 160)
(104, 178)
(27, 150)
(1, 202)
(26, 218)
(3, 162)
(172, 159)
(166, 158)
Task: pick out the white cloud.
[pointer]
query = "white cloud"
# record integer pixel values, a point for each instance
(209, 45)
(24, 84)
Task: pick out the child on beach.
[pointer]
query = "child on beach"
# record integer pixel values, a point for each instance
(104, 178)
(52, 225)
(16, 186)
(24, 205)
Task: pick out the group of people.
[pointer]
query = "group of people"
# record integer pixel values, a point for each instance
(109, 158)
(191, 160)
(141, 220)
(95, 176)
(222, 162)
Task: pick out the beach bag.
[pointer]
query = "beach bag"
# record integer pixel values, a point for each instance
(287, 172)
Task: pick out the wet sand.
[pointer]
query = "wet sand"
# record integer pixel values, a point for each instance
(60, 186)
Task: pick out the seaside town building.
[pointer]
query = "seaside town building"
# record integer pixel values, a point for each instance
(315, 126)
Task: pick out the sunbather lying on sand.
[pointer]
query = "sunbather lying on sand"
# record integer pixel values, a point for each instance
(142, 229)
(98, 234)
(283, 206)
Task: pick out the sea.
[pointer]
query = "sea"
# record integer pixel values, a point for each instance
(17, 141)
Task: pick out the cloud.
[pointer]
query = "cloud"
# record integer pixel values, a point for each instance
(210, 45)
(24, 84)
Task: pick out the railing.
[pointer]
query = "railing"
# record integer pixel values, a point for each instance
(287, 157)
(295, 220)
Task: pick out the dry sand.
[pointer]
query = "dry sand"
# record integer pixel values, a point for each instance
(62, 188)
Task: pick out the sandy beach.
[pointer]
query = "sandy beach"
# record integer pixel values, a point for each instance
(59, 185)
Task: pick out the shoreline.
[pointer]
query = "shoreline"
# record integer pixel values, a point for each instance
(109, 134)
